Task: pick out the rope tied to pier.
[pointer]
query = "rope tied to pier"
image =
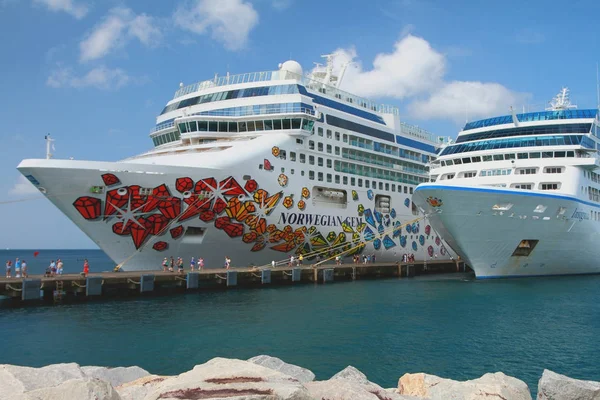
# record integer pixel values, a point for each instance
(180, 278)
(8, 285)
(221, 277)
(73, 283)
(130, 281)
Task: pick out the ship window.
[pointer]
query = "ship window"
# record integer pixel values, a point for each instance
(328, 133)
(222, 127)
(523, 156)
(380, 185)
(299, 141)
(405, 190)
(457, 161)
(337, 136)
(329, 163)
(282, 154)
(292, 171)
(449, 162)
(302, 158)
(498, 157)
(193, 126)
(286, 124)
(549, 186)
(411, 191)
(509, 156)
(570, 154)
(329, 148)
(302, 172)
(320, 131)
(466, 160)
(559, 154)
(243, 127)
(368, 184)
(320, 176)
(337, 150)
(296, 123)
(259, 125)
(311, 175)
(292, 156)
(534, 155)
(311, 145)
(311, 160)
(524, 186)
(337, 179)
(212, 126)
(443, 163)
(320, 146)
(359, 182)
(329, 178)
(268, 125)
(547, 154)
(393, 187)
(277, 124)
(345, 138)
(232, 126)
(486, 158)
(345, 180)
(553, 170)
(476, 159)
(320, 161)
(352, 181)
(527, 171)
(387, 186)
(374, 184)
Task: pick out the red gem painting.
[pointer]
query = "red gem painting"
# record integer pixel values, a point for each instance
(176, 232)
(170, 207)
(192, 210)
(160, 246)
(139, 233)
(156, 223)
(206, 185)
(115, 201)
(184, 184)
(119, 229)
(251, 185)
(230, 187)
(221, 222)
(88, 207)
(267, 165)
(110, 179)
(234, 230)
(207, 216)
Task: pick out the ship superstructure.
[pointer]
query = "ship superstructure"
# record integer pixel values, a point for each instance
(519, 194)
(257, 167)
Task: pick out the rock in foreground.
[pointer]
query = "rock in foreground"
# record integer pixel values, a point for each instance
(302, 374)
(553, 386)
(489, 386)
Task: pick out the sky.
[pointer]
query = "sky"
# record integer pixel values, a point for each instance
(96, 73)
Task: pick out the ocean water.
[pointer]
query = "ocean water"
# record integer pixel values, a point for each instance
(446, 325)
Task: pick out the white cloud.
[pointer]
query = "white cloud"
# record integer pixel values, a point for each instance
(281, 4)
(100, 78)
(23, 187)
(118, 28)
(229, 21)
(76, 9)
(460, 101)
(415, 72)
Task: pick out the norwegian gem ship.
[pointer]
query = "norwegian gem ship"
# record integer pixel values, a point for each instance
(256, 167)
(519, 195)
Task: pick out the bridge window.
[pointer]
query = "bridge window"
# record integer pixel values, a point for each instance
(553, 170)
(549, 186)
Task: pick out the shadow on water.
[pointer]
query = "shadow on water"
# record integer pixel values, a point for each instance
(447, 325)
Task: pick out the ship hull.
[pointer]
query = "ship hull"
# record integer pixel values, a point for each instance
(486, 226)
(140, 213)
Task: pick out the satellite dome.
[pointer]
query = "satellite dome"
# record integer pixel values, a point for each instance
(291, 66)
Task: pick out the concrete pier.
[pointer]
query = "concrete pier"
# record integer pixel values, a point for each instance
(77, 287)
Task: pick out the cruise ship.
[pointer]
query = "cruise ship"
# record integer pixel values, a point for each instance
(519, 195)
(257, 167)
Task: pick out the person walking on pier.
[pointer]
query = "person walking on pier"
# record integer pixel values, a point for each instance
(59, 267)
(200, 263)
(17, 268)
(8, 268)
(180, 265)
(192, 263)
(86, 267)
(227, 262)
(300, 259)
(172, 265)
(165, 264)
(52, 267)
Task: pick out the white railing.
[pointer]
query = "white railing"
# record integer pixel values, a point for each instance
(285, 75)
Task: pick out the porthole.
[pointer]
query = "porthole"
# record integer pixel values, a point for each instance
(187, 194)
(122, 191)
(41, 189)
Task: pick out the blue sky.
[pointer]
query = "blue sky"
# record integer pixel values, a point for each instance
(95, 74)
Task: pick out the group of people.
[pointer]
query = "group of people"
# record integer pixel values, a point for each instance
(365, 258)
(293, 261)
(170, 265)
(55, 268)
(20, 268)
(409, 257)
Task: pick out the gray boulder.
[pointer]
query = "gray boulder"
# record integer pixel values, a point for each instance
(302, 374)
(115, 376)
(79, 389)
(140, 388)
(229, 378)
(351, 374)
(553, 386)
(15, 380)
(497, 385)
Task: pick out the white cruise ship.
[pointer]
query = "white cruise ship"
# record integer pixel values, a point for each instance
(256, 167)
(519, 195)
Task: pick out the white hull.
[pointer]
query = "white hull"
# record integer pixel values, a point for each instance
(285, 231)
(486, 237)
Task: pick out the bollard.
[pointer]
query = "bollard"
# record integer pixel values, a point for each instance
(296, 274)
(328, 275)
(231, 278)
(192, 280)
(93, 286)
(146, 283)
(31, 289)
(265, 276)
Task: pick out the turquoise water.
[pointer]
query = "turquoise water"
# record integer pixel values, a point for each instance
(444, 326)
